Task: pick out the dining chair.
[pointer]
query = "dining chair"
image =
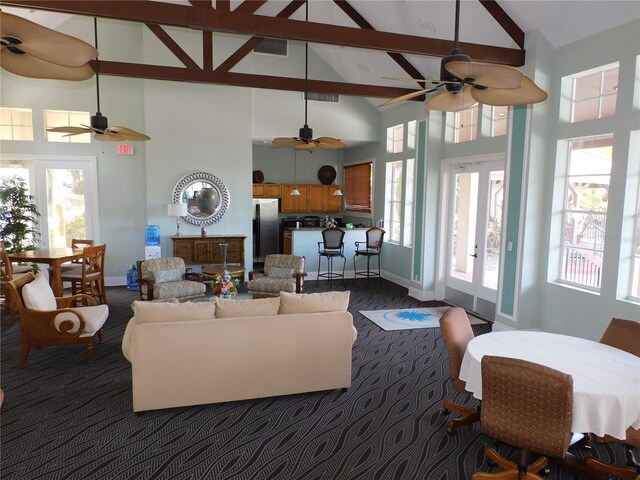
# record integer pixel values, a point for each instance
(49, 320)
(457, 333)
(623, 334)
(528, 406)
(371, 248)
(89, 279)
(331, 246)
(76, 244)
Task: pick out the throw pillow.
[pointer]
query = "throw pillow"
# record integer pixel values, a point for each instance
(165, 276)
(37, 295)
(147, 312)
(314, 302)
(230, 308)
(278, 272)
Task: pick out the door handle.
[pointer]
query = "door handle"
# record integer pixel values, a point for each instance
(474, 255)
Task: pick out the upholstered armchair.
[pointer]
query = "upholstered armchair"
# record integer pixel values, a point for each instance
(282, 273)
(162, 278)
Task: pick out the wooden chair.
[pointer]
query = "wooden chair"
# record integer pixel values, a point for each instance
(6, 275)
(331, 246)
(528, 406)
(47, 320)
(89, 278)
(76, 243)
(623, 334)
(457, 333)
(371, 248)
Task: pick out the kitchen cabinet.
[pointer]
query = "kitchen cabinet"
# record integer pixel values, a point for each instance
(206, 250)
(299, 203)
(267, 190)
(322, 199)
(286, 242)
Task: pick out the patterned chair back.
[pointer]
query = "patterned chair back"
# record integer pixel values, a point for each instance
(147, 267)
(284, 261)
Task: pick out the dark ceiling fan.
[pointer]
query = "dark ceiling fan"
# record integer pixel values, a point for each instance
(467, 82)
(99, 124)
(31, 50)
(305, 140)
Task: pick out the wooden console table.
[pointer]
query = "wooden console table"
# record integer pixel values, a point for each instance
(205, 250)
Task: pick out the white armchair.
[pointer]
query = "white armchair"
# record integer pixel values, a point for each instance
(163, 278)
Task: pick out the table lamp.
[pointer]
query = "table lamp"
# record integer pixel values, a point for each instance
(177, 210)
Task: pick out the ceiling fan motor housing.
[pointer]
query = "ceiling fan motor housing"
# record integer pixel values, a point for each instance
(456, 56)
(305, 133)
(99, 122)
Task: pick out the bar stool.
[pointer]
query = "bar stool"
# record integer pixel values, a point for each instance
(331, 246)
(370, 248)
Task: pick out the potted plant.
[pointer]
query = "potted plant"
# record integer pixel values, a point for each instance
(18, 216)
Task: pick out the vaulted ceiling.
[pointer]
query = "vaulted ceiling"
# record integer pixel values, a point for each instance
(364, 41)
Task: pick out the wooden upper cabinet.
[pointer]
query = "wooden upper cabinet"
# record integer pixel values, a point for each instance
(322, 199)
(334, 202)
(299, 203)
(266, 190)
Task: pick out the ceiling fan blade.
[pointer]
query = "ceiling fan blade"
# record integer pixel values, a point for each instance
(452, 102)
(110, 137)
(70, 130)
(419, 80)
(286, 142)
(528, 93)
(330, 143)
(487, 74)
(406, 96)
(128, 133)
(311, 146)
(44, 43)
(27, 65)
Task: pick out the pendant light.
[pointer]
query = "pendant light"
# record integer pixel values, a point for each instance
(295, 192)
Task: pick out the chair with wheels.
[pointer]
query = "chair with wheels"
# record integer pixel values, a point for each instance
(528, 406)
(368, 249)
(331, 246)
(457, 333)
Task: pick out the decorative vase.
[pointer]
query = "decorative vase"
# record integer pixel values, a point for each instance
(207, 199)
(223, 253)
(226, 295)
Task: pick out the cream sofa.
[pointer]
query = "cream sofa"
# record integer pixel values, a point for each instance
(207, 352)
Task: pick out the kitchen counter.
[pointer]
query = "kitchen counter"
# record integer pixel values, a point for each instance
(319, 229)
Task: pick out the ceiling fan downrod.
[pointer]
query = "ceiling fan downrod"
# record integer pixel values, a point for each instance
(98, 121)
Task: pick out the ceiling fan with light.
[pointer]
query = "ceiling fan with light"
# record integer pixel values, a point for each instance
(31, 50)
(467, 82)
(305, 140)
(99, 124)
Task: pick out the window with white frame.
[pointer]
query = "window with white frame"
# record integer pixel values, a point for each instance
(594, 93)
(16, 124)
(499, 120)
(586, 196)
(465, 126)
(411, 134)
(393, 201)
(634, 293)
(409, 195)
(61, 118)
(395, 138)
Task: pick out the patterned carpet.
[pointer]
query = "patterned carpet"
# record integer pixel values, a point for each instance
(64, 418)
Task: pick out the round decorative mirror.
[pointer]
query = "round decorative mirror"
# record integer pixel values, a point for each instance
(206, 196)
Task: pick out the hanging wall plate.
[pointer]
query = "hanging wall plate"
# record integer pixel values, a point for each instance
(326, 174)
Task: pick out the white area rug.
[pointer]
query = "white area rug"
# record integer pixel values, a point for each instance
(409, 318)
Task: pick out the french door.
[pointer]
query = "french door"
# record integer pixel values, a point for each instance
(476, 194)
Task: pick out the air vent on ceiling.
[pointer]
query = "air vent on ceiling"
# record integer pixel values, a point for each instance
(323, 97)
(272, 46)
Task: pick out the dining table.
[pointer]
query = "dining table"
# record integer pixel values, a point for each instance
(54, 257)
(606, 380)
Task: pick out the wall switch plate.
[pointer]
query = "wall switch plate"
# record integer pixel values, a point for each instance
(509, 246)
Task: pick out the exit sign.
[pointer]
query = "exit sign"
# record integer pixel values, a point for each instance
(125, 149)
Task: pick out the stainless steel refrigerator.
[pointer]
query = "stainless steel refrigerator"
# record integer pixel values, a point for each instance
(265, 228)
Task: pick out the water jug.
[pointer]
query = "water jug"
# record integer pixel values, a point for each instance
(132, 279)
(152, 235)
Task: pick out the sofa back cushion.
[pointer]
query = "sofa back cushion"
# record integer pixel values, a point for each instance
(37, 295)
(147, 312)
(230, 308)
(164, 263)
(166, 276)
(314, 302)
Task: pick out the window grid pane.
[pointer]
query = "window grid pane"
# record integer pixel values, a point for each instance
(634, 294)
(595, 94)
(466, 125)
(393, 200)
(407, 234)
(16, 124)
(61, 118)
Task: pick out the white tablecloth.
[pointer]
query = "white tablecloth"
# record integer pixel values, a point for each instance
(606, 380)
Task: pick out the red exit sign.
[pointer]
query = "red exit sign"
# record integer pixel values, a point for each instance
(125, 149)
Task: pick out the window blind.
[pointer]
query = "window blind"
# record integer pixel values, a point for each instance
(357, 187)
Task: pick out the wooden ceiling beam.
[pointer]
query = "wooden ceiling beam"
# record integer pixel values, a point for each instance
(505, 21)
(180, 74)
(208, 19)
(171, 44)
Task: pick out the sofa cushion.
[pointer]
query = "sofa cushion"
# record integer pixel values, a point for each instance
(146, 312)
(228, 307)
(314, 302)
(272, 285)
(164, 276)
(181, 289)
(279, 272)
(94, 316)
(37, 295)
